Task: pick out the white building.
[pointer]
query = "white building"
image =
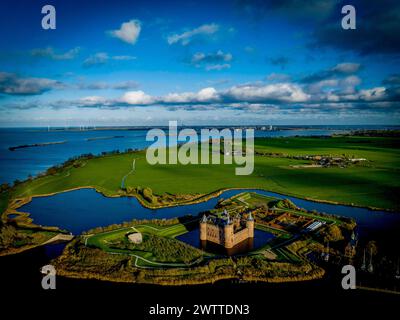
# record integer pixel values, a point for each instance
(135, 237)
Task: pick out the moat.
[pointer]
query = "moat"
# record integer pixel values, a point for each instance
(68, 211)
(261, 238)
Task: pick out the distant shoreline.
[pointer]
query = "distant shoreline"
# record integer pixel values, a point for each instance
(104, 138)
(43, 144)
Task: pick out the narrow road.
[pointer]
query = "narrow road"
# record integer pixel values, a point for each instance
(126, 176)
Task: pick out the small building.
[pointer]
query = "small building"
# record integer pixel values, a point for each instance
(315, 225)
(135, 237)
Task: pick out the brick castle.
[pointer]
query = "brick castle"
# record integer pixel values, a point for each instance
(226, 231)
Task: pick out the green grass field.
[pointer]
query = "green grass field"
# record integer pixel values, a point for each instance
(162, 231)
(144, 258)
(376, 183)
(252, 200)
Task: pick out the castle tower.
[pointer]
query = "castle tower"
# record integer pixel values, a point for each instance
(203, 228)
(250, 225)
(228, 234)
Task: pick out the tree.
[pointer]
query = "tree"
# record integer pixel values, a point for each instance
(16, 182)
(372, 248)
(51, 171)
(148, 194)
(4, 187)
(8, 234)
(333, 233)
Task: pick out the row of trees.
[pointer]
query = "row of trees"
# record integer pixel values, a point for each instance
(8, 236)
(126, 224)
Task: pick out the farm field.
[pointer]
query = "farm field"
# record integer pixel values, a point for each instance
(375, 183)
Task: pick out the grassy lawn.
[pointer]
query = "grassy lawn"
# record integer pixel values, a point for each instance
(375, 184)
(164, 231)
(149, 256)
(100, 240)
(286, 254)
(252, 200)
(279, 232)
(310, 215)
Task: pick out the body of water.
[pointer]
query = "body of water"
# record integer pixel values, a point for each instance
(21, 163)
(83, 209)
(261, 238)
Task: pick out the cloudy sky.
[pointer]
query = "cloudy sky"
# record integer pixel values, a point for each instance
(199, 62)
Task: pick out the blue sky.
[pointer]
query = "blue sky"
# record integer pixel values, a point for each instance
(199, 62)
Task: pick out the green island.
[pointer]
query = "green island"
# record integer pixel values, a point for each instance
(355, 170)
(159, 257)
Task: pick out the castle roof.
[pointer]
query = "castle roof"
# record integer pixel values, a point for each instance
(250, 217)
(204, 219)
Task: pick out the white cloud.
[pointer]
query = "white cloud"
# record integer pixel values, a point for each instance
(124, 85)
(102, 58)
(128, 32)
(316, 87)
(137, 97)
(278, 77)
(186, 37)
(92, 100)
(348, 84)
(207, 94)
(373, 94)
(346, 67)
(99, 58)
(218, 56)
(51, 54)
(212, 61)
(282, 92)
(204, 95)
(12, 84)
(325, 94)
(218, 66)
(331, 97)
(351, 81)
(124, 58)
(338, 71)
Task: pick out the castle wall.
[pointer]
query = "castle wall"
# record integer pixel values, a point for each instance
(225, 235)
(214, 234)
(240, 236)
